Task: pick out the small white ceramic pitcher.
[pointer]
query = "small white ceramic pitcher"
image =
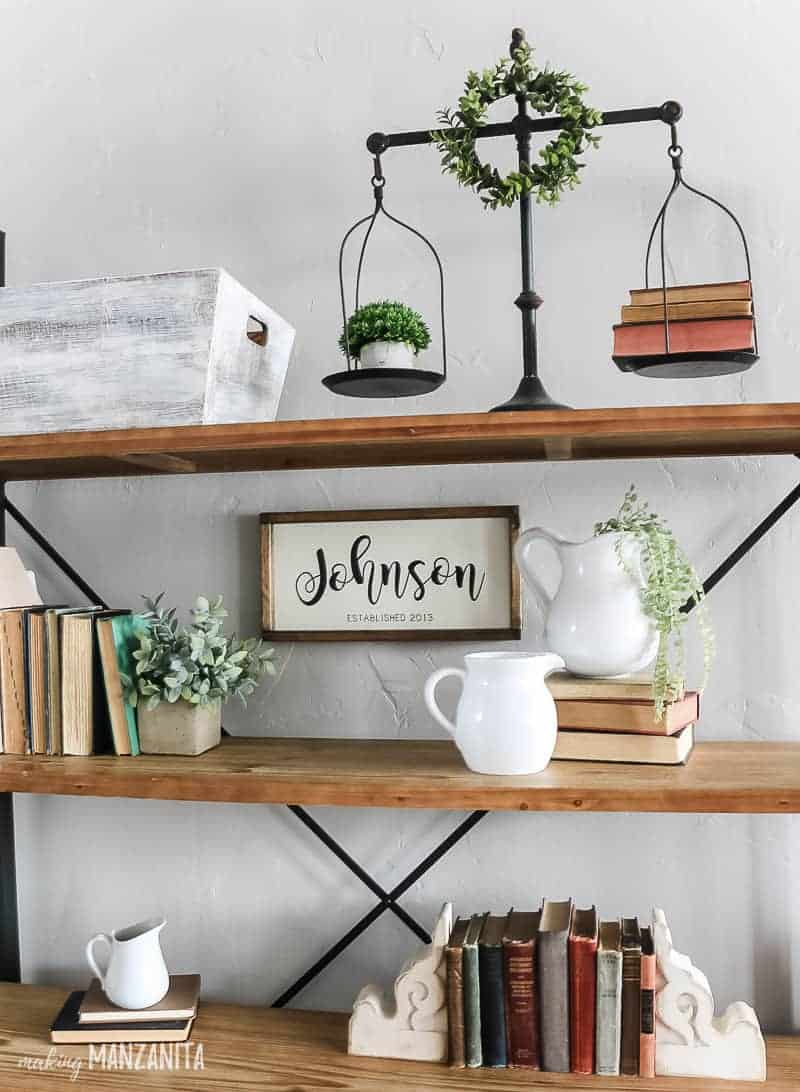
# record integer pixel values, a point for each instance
(506, 719)
(595, 618)
(136, 976)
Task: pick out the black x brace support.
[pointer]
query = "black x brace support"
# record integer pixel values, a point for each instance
(387, 900)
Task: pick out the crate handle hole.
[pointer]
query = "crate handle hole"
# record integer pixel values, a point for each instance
(257, 330)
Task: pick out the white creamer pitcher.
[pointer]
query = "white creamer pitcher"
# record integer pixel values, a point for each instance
(136, 976)
(506, 719)
(595, 619)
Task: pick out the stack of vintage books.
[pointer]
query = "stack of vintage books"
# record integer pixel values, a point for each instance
(89, 1017)
(702, 318)
(614, 720)
(553, 989)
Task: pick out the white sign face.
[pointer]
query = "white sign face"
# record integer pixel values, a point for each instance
(358, 575)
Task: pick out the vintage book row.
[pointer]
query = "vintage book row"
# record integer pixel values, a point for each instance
(552, 989)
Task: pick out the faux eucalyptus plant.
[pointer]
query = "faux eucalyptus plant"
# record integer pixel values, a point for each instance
(670, 583)
(197, 663)
(385, 320)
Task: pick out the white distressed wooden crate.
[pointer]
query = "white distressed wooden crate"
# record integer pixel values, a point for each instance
(184, 348)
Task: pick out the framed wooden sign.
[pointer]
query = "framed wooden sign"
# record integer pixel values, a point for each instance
(390, 575)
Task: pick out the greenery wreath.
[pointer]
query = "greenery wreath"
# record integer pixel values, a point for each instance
(547, 92)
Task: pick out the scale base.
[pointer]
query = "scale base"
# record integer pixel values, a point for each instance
(687, 365)
(529, 395)
(383, 382)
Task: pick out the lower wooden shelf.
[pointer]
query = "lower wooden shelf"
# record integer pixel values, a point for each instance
(245, 1048)
(747, 778)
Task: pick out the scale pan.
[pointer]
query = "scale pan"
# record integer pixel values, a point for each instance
(383, 382)
(687, 365)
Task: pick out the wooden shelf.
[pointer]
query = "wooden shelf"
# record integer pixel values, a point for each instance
(745, 778)
(639, 432)
(245, 1048)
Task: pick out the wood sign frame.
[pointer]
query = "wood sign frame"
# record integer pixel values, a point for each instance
(275, 611)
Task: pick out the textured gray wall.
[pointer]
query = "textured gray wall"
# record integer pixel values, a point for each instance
(167, 136)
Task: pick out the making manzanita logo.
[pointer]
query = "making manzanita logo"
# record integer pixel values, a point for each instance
(131, 1057)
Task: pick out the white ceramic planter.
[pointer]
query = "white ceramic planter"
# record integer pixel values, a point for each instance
(180, 728)
(388, 354)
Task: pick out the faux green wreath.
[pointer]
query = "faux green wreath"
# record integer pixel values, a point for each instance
(547, 92)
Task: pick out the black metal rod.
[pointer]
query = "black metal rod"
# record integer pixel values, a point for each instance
(669, 112)
(9, 914)
(52, 552)
(364, 923)
(526, 300)
(330, 842)
(746, 545)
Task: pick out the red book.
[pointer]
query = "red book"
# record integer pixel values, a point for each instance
(647, 1031)
(522, 1025)
(582, 989)
(690, 336)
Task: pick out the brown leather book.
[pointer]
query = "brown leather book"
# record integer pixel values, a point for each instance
(693, 293)
(454, 964)
(631, 996)
(628, 716)
(519, 955)
(634, 313)
(687, 336)
(12, 681)
(582, 989)
(647, 1034)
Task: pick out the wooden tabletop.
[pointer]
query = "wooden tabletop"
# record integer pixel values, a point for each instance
(633, 432)
(247, 1048)
(719, 777)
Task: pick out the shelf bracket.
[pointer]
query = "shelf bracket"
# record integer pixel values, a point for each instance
(388, 899)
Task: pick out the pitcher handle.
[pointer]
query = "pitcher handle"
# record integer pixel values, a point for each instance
(525, 540)
(93, 962)
(430, 695)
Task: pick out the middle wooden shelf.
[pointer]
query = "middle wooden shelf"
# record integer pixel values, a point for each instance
(744, 778)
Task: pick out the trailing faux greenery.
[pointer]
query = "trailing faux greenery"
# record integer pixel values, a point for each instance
(547, 92)
(385, 320)
(197, 663)
(670, 582)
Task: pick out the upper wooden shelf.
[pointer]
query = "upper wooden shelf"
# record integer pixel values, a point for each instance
(646, 432)
(246, 1048)
(720, 777)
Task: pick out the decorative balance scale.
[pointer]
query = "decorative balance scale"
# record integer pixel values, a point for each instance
(458, 145)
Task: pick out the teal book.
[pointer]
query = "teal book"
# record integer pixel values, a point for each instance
(473, 1051)
(117, 638)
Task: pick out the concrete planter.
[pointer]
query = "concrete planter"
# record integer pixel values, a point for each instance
(180, 728)
(388, 354)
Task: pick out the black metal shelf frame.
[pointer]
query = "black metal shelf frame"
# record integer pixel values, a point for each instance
(10, 969)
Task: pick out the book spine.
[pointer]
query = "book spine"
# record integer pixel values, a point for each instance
(582, 1003)
(689, 335)
(454, 959)
(647, 1036)
(553, 982)
(473, 1054)
(521, 1030)
(631, 1010)
(609, 1013)
(12, 682)
(493, 1016)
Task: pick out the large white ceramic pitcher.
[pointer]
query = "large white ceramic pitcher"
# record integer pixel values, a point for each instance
(595, 619)
(506, 719)
(136, 976)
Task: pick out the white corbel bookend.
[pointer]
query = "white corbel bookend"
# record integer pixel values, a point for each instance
(690, 1040)
(413, 1024)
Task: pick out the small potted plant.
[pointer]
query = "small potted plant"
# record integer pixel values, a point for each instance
(386, 334)
(184, 674)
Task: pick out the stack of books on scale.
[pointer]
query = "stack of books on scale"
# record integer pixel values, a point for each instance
(60, 684)
(702, 318)
(614, 720)
(89, 1017)
(553, 989)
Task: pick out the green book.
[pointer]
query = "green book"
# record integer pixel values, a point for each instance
(473, 1051)
(117, 637)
